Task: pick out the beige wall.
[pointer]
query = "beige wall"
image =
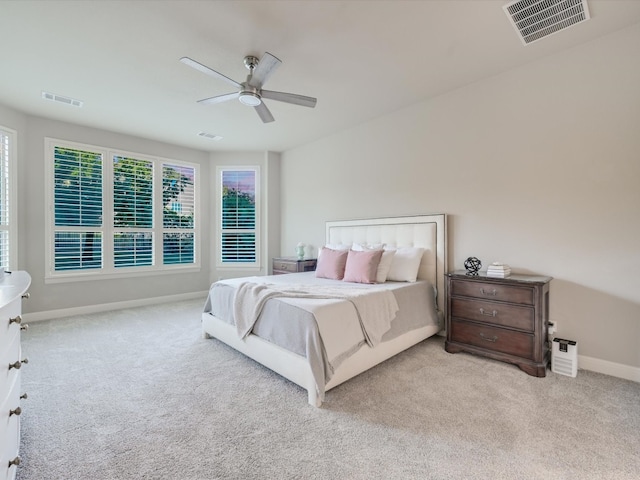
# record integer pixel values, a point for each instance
(538, 167)
(47, 299)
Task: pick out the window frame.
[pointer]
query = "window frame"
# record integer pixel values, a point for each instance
(219, 230)
(108, 270)
(11, 195)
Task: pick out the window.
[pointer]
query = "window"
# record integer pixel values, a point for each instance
(239, 198)
(178, 214)
(8, 204)
(78, 209)
(132, 212)
(115, 213)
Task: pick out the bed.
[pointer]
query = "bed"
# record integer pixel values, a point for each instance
(320, 332)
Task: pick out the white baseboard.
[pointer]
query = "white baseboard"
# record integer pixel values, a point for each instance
(105, 307)
(609, 368)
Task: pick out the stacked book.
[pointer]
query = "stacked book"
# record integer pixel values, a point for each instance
(498, 270)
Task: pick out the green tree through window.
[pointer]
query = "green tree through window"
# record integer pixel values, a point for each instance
(178, 214)
(78, 215)
(239, 216)
(78, 207)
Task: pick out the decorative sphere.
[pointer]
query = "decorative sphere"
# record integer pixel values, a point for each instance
(472, 264)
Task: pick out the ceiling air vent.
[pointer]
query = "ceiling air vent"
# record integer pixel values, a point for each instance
(212, 136)
(59, 98)
(536, 19)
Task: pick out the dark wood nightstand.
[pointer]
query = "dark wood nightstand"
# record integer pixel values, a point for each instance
(283, 265)
(501, 318)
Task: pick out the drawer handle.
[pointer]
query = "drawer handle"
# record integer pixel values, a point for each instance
(24, 327)
(492, 339)
(17, 320)
(18, 364)
(17, 411)
(492, 314)
(24, 396)
(26, 296)
(492, 293)
(15, 461)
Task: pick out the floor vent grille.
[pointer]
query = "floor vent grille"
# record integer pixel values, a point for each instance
(536, 19)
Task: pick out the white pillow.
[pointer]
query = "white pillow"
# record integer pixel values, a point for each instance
(405, 264)
(385, 260)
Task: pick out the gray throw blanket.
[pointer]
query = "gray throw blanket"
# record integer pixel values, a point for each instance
(375, 308)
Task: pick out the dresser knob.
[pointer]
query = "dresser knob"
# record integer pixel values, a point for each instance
(23, 396)
(15, 461)
(493, 313)
(26, 295)
(18, 364)
(17, 320)
(24, 327)
(17, 411)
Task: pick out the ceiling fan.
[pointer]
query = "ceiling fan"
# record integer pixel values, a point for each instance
(250, 92)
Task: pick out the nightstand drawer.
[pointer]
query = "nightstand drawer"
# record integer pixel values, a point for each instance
(291, 267)
(492, 338)
(488, 291)
(522, 318)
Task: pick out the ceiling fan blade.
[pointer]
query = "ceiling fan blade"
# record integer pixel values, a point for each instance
(264, 113)
(289, 98)
(219, 98)
(266, 66)
(209, 71)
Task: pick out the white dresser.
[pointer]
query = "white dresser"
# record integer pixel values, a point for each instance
(13, 288)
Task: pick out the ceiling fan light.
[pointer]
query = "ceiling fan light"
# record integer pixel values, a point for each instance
(249, 98)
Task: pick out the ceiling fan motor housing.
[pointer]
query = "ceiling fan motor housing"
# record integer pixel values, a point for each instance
(251, 62)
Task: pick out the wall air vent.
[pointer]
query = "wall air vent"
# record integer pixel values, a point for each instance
(536, 19)
(212, 136)
(61, 99)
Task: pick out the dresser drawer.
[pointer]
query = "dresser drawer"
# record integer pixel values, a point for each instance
(283, 266)
(488, 291)
(8, 328)
(495, 313)
(9, 356)
(9, 434)
(492, 338)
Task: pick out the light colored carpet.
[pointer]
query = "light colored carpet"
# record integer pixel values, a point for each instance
(138, 394)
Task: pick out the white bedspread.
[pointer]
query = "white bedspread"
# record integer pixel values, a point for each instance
(366, 315)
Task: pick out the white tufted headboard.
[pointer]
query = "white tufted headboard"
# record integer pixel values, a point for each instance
(426, 231)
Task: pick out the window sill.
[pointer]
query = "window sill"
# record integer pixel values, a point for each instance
(85, 276)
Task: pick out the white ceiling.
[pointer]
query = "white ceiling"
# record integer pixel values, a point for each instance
(361, 59)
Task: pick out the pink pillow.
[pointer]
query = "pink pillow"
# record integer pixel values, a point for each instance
(362, 267)
(331, 263)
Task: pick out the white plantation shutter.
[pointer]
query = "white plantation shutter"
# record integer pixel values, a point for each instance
(132, 211)
(78, 230)
(7, 206)
(178, 214)
(239, 216)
